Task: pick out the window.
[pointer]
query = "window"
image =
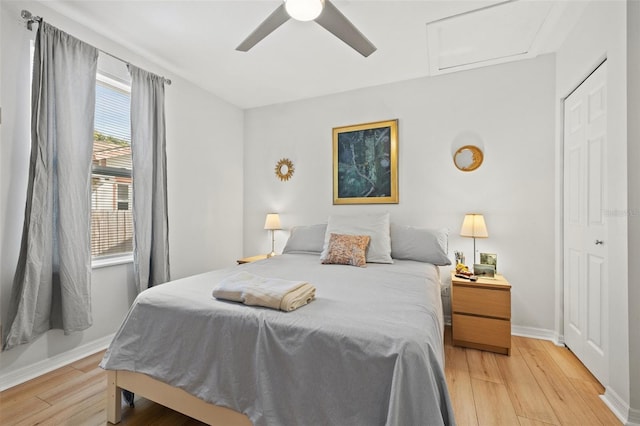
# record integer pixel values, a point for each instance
(123, 196)
(111, 192)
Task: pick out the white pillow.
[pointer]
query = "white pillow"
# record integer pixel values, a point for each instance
(420, 244)
(375, 226)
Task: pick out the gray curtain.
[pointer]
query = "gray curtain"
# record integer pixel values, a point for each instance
(52, 284)
(148, 150)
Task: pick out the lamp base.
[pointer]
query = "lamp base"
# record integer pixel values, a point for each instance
(273, 244)
(474, 250)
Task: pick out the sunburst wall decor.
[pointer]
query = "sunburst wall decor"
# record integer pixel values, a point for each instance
(284, 169)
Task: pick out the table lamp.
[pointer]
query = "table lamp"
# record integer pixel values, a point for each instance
(272, 223)
(473, 226)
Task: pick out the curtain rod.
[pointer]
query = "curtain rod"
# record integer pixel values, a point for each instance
(30, 20)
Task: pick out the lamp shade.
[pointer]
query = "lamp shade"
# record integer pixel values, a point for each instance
(304, 10)
(474, 226)
(272, 222)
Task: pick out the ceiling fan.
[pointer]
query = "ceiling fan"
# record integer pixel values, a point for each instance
(321, 11)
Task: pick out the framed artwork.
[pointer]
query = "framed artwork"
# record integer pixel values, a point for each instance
(489, 259)
(486, 271)
(365, 163)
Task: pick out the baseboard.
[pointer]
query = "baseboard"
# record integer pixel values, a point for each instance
(634, 417)
(535, 333)
(617, 406)
(32, 371)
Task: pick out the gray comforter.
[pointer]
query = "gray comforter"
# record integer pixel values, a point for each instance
(368, 351)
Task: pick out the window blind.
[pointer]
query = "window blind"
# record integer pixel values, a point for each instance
(111, 192)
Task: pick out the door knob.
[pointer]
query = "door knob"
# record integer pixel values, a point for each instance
(599, 242)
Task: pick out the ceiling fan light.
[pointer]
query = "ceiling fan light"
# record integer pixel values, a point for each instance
(304, 10)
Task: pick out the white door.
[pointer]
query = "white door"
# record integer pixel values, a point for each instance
(585, 232)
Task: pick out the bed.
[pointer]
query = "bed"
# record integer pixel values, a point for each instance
(367, 351)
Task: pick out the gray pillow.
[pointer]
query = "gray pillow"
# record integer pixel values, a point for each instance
(306, 239)
(420, 244)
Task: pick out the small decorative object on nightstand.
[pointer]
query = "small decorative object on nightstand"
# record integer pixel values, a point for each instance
(252, 259)
(489, 259)
(481, 313)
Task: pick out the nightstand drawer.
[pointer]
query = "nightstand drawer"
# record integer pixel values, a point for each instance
(485, 331)
(481, 301)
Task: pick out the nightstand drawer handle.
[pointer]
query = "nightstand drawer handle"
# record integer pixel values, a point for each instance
(599, 242)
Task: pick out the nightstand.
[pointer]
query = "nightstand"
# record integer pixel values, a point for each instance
(481, 313)
(251, 259)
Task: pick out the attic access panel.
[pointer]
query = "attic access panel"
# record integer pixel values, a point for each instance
(504, 32)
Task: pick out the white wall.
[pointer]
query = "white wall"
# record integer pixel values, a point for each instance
(633, 159)
(204, 159)
(510, 106)
(601, 33)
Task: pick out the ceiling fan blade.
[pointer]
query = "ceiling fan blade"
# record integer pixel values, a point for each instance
(336, 23)
(273, 21)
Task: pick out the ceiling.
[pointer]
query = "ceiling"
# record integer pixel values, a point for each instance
(196, 40)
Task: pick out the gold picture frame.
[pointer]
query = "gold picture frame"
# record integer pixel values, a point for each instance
(365, 163)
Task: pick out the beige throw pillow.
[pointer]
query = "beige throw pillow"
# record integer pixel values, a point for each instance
(347, 250)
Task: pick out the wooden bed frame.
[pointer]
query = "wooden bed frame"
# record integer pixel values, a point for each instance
(167, 395)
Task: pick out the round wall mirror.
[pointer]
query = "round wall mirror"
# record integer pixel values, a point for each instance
(284, 169)
(468, 158)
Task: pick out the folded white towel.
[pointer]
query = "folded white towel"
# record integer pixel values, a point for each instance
(272, 293)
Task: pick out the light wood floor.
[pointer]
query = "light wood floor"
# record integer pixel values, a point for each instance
(539, 384)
